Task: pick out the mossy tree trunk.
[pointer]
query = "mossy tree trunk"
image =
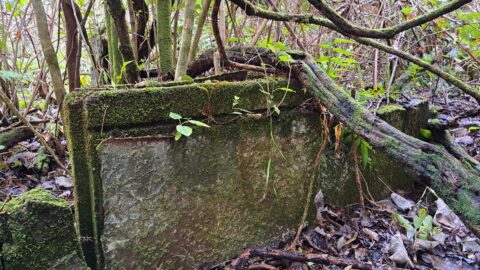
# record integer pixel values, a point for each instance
(164, 36)
(181, 69)
(114, 54)
(129, 65)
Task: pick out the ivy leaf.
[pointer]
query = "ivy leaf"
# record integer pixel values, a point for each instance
(184, 130)
(198, 123)
(175, 116)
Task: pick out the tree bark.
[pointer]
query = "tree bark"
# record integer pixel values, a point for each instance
(114, 55)
(198, 33)
(164, 36)
(139, 38)
(182, 62)
(48, 50)
(129, 65)
(73, 44)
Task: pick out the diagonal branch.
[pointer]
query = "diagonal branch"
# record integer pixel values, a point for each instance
(389, 32)
(472, 91)
(253, 10)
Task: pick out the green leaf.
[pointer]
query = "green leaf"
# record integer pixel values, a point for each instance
(22, 104)
(178, 135)
(286, 89)
(426, 228)
(276, 109)
(365, 151)
(175, 116)
(342, 51)
(474, 128)
(407, 10)
(403, 222)
(184, 130)
(342, 40)
(198, 123)
(426, 133)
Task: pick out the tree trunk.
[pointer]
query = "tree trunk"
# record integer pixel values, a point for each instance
(164, 36)
(198, 33)
(73, 43)
(182, 62)
(48, 50)
(129, 65)
(140, 9)
(114, 55)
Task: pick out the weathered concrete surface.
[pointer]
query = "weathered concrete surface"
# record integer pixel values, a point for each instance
(147, 203)
(37, 233)
(173, 205)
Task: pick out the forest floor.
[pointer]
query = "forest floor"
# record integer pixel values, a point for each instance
(367, 237)
(390, 234)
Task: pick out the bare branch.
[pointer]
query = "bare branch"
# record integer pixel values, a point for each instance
(389, 32)
(474, 92)
(254, 10)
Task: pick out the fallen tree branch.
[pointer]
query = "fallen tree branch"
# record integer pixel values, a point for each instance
(296, 257)
(15, 135)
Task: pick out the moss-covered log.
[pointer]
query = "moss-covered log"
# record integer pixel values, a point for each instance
(12, 137)
(456, 181)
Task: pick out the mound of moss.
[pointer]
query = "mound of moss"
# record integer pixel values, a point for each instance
(37, 232)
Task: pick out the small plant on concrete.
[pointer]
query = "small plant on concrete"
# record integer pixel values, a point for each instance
(182, 129)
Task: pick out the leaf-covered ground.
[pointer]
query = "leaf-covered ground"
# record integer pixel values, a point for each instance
(391, 234)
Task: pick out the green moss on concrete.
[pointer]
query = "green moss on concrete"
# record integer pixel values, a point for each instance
(93, 116)
(80, 156)
(35, 195)
(41, 232)
(120, 108)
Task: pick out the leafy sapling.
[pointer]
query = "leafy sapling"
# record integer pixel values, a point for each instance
(182, 129)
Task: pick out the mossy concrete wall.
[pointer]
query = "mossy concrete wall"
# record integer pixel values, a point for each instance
(146, 201)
